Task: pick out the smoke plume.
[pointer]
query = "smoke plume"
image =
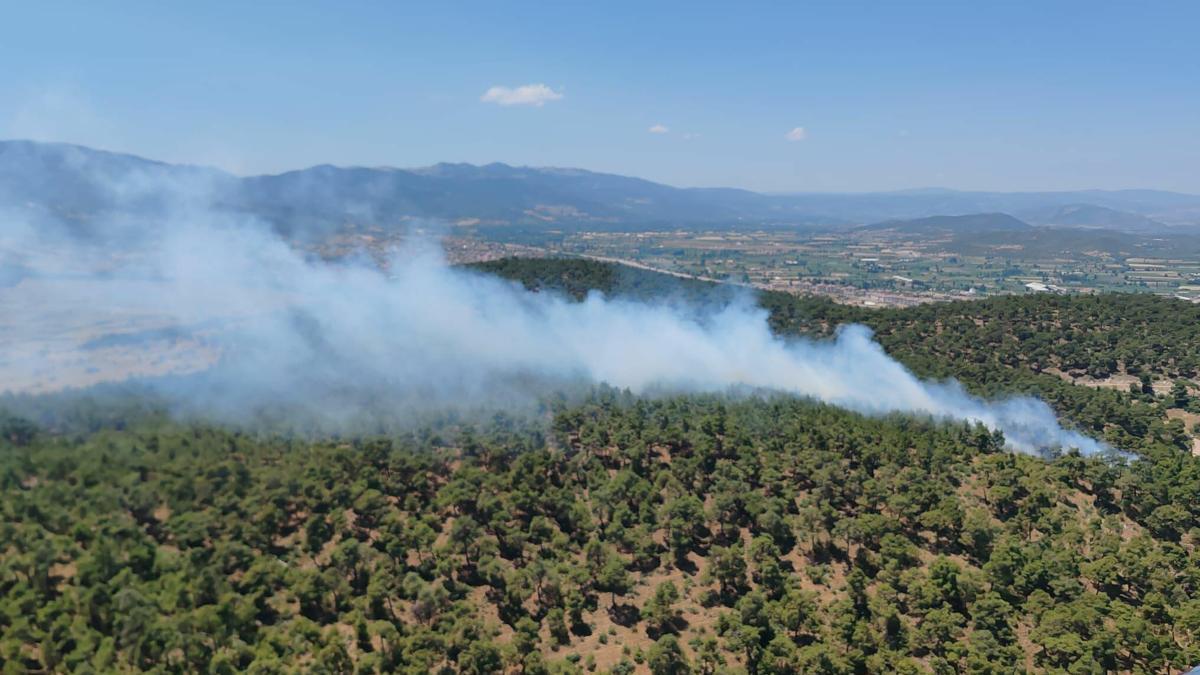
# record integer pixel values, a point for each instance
(262, 324)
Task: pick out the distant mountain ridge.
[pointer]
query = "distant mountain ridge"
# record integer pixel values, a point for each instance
(974, 222)
(1090, 215)
(83, 185)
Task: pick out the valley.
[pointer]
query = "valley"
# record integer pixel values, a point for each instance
(883, 268)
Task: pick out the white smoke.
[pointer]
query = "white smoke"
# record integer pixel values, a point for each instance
(329, 339)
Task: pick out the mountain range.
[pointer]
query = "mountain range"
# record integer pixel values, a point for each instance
(84, 186)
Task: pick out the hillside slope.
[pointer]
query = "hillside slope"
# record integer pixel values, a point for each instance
(769, 535)
(997, 346)
(621, 534)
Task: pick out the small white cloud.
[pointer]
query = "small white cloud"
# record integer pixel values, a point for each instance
(797, 134)
(658, 129)
(526, 94)
(690, 136)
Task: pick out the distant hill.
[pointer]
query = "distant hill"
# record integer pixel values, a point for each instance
(83, 187)
(971, 223)
(1170, 208)
(57, 182)
(494, 194)
(1090, 215)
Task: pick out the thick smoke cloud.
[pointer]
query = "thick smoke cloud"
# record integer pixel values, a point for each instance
(265, 325)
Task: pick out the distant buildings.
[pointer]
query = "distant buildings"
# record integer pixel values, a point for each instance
(1039, 287)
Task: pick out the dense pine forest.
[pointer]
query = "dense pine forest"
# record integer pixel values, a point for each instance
(1002, 345)
(611, 533)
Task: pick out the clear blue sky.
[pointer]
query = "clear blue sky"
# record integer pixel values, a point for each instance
(996, 95)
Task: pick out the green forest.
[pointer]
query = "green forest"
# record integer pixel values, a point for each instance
(1015, 344)
(613, 533)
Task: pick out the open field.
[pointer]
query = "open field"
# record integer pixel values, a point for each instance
(868, 267)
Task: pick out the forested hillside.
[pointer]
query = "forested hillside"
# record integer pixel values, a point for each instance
(682, 534)
(612, 533)
(1093, 334)
(996, 346)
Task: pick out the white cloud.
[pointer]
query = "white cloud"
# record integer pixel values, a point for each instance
(526, 94)
(658, 129)
(797, 134)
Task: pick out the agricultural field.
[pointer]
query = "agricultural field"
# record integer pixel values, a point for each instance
(870, 267)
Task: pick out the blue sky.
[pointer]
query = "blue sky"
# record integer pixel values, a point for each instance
(1001, 95)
